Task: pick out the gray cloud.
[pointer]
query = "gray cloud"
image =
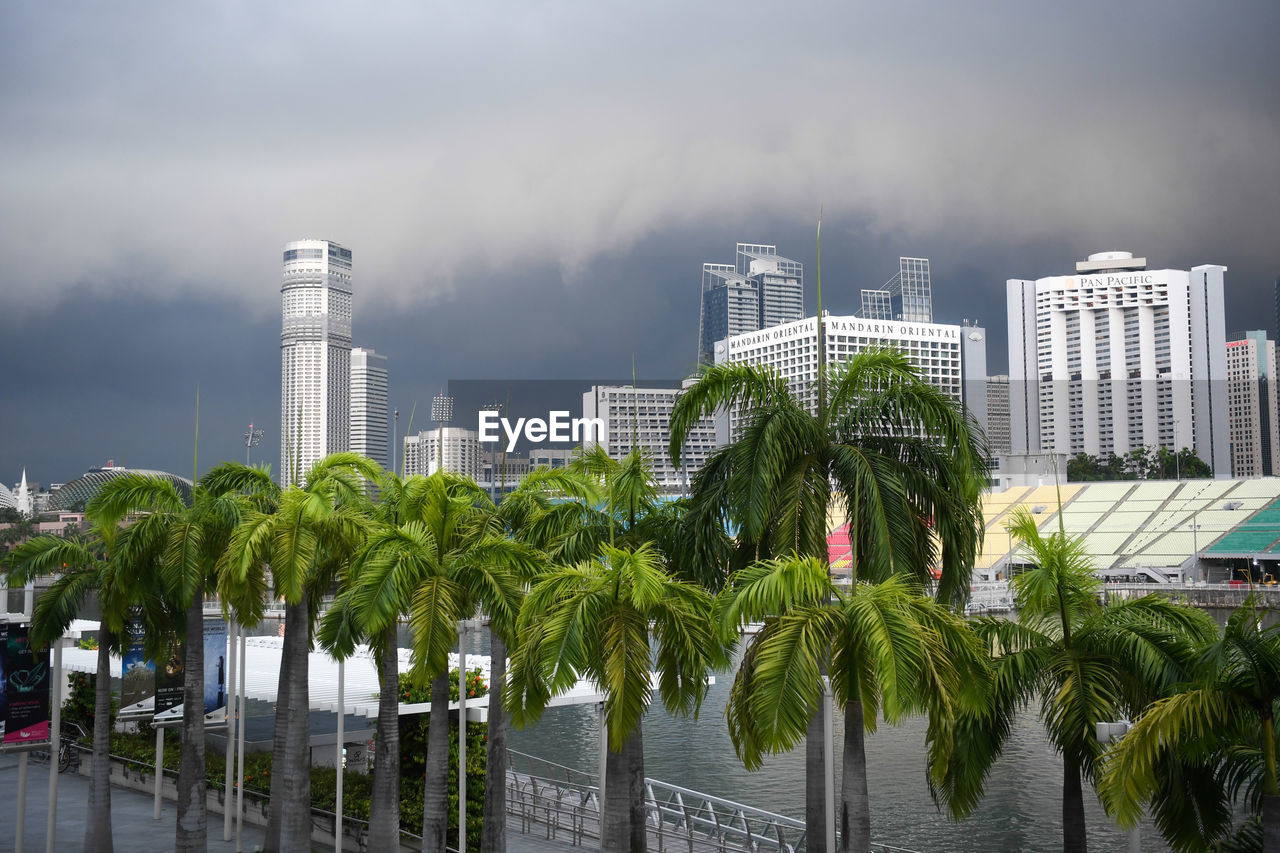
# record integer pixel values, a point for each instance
(560, 169)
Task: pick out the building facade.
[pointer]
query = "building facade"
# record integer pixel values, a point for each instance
(461, 453)
(759, 290)
(791, 349)
(315, 355)
(998, 414)
(641, 417)
(1251, 405)
(369, 434)
(1118, 357)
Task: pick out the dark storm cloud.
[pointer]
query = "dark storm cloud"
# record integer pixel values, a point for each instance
(527, 185)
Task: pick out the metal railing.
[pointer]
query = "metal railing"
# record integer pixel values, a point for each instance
(567, 809)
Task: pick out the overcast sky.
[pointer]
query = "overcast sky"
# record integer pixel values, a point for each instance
(529, 188)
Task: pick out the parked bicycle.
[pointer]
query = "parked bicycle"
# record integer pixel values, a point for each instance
(72, 733)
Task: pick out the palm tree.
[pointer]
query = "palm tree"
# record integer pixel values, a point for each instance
(869, 437)
(535, 513)
(1192, 755)
(82, 566)
(600, 619)
(887, 647)
(184, 542)
(1084, 662)
(436, 554)
(307, 535)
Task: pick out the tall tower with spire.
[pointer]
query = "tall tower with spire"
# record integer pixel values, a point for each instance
(26, 503)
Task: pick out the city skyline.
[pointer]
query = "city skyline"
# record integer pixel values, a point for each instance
(554, 208)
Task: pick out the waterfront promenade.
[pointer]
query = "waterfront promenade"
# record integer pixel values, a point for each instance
(133, 827)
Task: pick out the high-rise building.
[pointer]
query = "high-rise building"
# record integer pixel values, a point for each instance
(908, 296)
(641, 417)
(461, 453)
(1252, 411)
(1118, 357)
(973, 363)
(315, 355)
(998, 415)
(369, 405)
(759, 290)
(791, 349)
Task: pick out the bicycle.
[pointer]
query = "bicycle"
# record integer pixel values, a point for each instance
(72, 734)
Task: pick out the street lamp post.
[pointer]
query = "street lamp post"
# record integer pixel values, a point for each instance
(252, 439)
(1109, 733)
(395, 438)
(493, 456)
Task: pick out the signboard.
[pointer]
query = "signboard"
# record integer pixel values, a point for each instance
(4, 641)
(169, 677)
(215, 664)
(27, 681)
(139, 681)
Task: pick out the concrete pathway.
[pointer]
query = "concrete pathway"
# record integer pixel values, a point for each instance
(131, 815)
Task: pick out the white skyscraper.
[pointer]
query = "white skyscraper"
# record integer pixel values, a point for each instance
(369, 405)
(315, 355)
(1118, 357)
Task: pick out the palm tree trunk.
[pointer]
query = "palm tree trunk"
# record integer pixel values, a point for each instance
(1073, 832)
(275, 808)
(615, 811)
(97, 829)
(295, 822)
(493, 834)
(435, 820)
(193, 819)
(855, 801)
(1270, 824)
(639, 826)
(815, 786)
(384, 804)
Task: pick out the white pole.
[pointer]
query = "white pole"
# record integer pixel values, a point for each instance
(462, 738)
(829, 762)
(22, 802)
(55, 745)
(240, 722)
(342, 718)
(28, 601)
(232, 715)
(159, 770)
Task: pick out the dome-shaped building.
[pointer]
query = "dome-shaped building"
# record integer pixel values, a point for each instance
(73, 496)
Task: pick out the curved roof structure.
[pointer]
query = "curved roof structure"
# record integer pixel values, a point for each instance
(73, 496)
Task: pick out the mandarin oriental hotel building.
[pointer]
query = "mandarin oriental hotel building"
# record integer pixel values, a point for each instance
(791, 349)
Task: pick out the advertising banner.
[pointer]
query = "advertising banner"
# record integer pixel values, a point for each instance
(169, 678)
(4, 641)
(27, 680)
(215, 664)
(139, 682)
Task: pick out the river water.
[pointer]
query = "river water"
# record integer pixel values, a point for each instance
(1021, 809)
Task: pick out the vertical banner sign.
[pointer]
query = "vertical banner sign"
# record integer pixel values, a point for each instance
(215, 664)
(27, 680)
(139, 682)
(4, 642)
(169, 678)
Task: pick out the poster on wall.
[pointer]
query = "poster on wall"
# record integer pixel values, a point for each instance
(27, 681)
(169, 677)
(4, 640)
(139, 681)
(215, 664)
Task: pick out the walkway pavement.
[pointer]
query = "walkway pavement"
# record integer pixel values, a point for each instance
(131, 815)
(134, 829)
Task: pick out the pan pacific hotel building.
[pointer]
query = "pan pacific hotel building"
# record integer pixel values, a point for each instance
(1117, 357)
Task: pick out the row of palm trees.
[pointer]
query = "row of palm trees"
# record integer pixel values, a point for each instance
(584, 572)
